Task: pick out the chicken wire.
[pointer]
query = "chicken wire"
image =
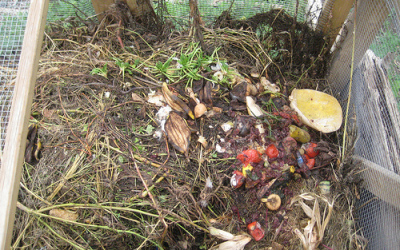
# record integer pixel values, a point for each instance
(376, 111)
(375, 98)
(13, 16)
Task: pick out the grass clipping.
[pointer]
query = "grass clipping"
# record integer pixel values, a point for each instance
(103, 181)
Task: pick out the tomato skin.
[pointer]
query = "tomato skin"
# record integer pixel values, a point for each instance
(310, 162)
(271, 151)
(237, 179)
(249, 156)
(310, 149)
(256, 230)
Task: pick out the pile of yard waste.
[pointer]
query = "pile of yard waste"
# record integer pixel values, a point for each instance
(149, 137)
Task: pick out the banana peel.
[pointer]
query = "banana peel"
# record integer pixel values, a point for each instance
(175, 102)
(178, 133)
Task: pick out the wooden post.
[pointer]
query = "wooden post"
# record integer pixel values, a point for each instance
(370, 17)
(13, 155)
(333, 15)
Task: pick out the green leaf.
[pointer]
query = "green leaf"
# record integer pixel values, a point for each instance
(149, 129)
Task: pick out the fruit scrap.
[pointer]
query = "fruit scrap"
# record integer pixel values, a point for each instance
(273, 202)
(256, 230)
(237, 179)
(246, 168)
(299, 134)
(249, 156)
(271, 151)
(310, 162)
(310, 150)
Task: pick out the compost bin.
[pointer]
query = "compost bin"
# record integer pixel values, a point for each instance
(200, 124)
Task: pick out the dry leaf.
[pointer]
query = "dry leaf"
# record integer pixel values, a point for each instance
(233, 242)
(64, 214)
(137, 98)
(178, 133)
(314, 231)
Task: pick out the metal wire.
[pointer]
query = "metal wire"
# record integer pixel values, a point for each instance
(13, 16)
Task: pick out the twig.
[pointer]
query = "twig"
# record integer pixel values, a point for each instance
(151, 197)
(351, 82)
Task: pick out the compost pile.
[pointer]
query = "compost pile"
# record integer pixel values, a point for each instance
(142, 137)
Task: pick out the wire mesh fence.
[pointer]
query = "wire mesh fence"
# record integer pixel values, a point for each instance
(375, 90)
(13, 16)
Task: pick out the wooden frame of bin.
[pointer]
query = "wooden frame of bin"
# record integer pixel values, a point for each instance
(17, 130)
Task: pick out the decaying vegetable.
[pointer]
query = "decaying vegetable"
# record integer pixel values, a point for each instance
(232, 242)
(273, 202)
(247, 169)
(271, 151)
(237, 179)
(310, 150)
(252, 108)
(314, 231)
(178, 133)
(249, 156)
(256, 230)
(299, 134)
(175, 102)
(310, 162)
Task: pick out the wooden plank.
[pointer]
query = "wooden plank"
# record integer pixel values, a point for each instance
(370, 17)
(334, 14)
(13, 155)
(381, 182)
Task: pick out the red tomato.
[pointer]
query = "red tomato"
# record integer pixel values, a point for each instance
(310, 162)
(310, 149)
(255, 230)
(249, 156)
(271, 151)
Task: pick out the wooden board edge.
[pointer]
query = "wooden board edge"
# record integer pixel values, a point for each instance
(13, 154)
(381, 182)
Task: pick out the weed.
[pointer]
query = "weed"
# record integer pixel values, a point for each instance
(124, 67)
(100, 71)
